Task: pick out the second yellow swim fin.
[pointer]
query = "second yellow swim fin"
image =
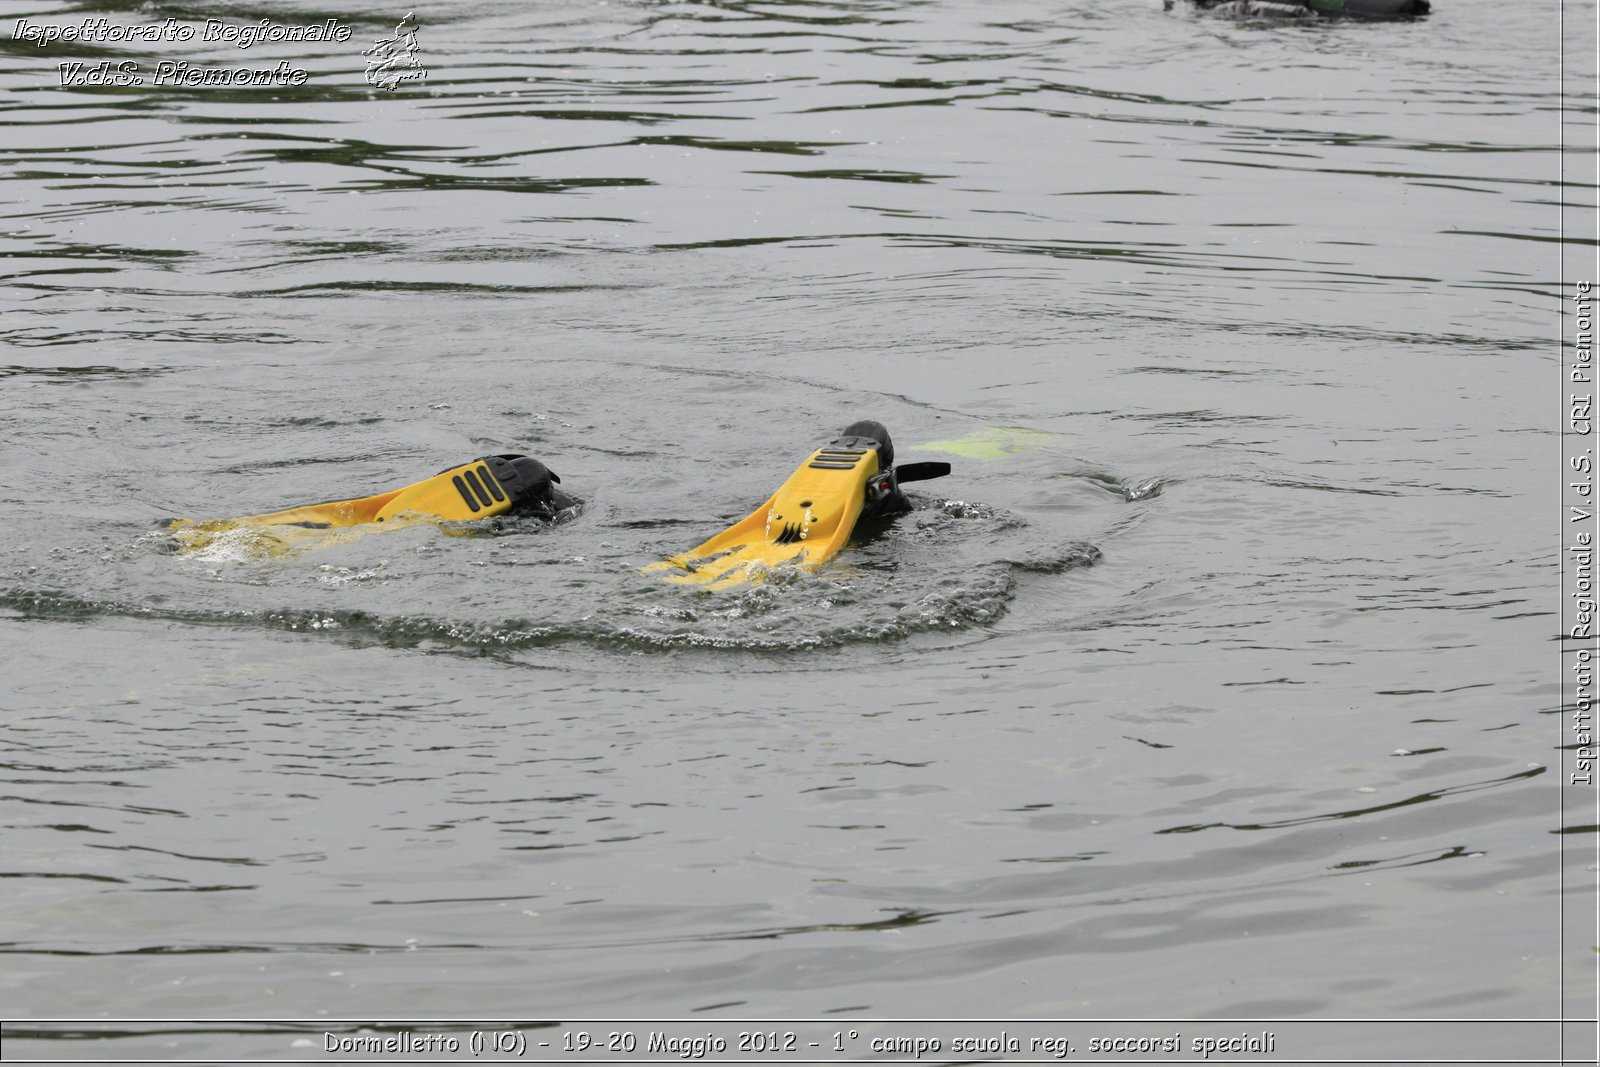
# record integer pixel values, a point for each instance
(811, 516)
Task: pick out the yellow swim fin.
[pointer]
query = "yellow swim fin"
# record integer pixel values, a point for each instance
(811, 516)
(491, 485)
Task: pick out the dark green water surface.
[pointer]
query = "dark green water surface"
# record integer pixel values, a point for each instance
(1221, 684)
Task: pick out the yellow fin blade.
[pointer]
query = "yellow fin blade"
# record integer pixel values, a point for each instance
(465, 492)
(805, 523)
(469, 491)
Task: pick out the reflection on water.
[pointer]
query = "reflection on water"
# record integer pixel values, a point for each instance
(1231, 330)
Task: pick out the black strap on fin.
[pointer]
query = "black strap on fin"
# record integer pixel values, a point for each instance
(921, 472)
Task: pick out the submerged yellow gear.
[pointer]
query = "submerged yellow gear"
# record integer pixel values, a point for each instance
(491, 485)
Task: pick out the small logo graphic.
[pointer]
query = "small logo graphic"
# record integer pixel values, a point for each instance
(394, 59)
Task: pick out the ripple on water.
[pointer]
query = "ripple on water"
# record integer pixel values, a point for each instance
(935, 570)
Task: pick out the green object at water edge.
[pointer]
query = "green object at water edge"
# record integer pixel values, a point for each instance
(990, 444)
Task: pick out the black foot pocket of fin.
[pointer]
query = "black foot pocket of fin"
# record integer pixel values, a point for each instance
(530, 484)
